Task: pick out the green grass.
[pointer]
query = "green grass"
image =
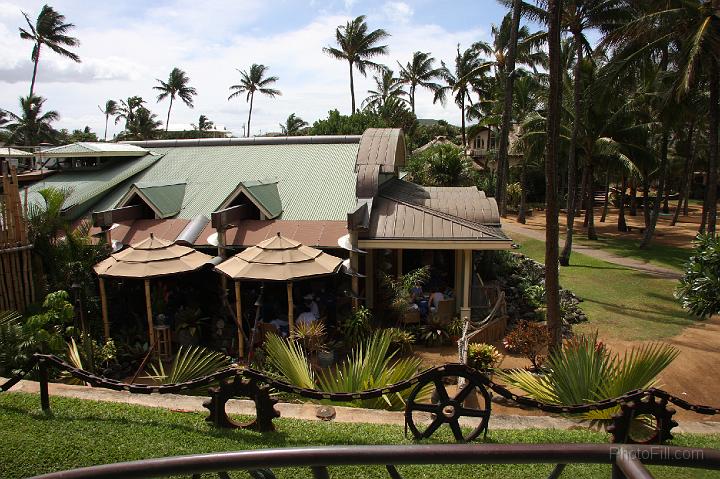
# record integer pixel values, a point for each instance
(82, 433)
(658, 255)
(620, 303)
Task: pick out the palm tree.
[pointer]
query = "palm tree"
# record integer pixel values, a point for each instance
(420, 72)
(126, 110)
(144, 125)
(204, 123)
(111, 109)
(357, 46)
(552, 232)
(386, 87)
(50, 30)
(31, 127)
(253, 81)
(292, 125)
(177, 85)
(468, 70)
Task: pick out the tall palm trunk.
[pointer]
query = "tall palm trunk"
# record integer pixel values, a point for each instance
(37, 59)
(713, 140)
(633, 195)
(252, 97)
(167, 122)
(572, 158)
(606, 199)
(462, 125)
(590, 212)
(352, 90)
(646, 198)
(412, 98)
(508, 77)
(662, 177)
(107, 117)
(685, 180)
(552, 231)
(523, 192)
(622, 224)
(582, 197)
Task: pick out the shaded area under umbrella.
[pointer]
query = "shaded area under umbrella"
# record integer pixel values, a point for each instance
(150, 258)
(277, 259)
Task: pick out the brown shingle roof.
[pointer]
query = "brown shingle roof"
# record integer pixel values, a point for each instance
(322, 234)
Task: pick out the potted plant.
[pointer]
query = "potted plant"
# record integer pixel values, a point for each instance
(483, 357)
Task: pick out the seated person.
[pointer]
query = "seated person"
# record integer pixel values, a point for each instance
(306, 316)
(435, 299)
(312, 305)
(416, 293)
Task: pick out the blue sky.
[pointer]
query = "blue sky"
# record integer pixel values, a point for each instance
(126, 45)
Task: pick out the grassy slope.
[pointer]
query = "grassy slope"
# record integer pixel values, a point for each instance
(620, 303)
(658, 255)
(82, 433)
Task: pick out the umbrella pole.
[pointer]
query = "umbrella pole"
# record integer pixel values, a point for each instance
(103, 303)
(238, 312)
(291, 319)
(148, 306)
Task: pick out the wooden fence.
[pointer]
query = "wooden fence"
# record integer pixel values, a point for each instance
(17, 288)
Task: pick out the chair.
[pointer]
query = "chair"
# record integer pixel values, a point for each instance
(163, 342)
(445, 311)
(411, 316)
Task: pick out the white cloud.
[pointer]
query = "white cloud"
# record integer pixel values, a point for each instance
(398, 12)
(120, 61)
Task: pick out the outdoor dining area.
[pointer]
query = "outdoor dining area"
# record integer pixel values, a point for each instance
(268, 271)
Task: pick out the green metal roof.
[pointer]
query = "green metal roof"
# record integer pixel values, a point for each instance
(263, 193)
(87, 148)
(314, 181)
(164, 198)
(89, 186)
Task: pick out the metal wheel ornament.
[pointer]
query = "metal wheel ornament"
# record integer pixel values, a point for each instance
(650, 409)
(472, 400)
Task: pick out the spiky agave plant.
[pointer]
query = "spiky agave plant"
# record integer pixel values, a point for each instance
(586, 371)
(190, 363)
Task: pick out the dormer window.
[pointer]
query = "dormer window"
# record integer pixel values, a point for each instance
(261, 195)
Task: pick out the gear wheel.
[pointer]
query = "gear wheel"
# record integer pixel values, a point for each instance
(654, 408)
(265, 410)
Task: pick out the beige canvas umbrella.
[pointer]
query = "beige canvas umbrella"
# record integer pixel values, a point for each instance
(278, 259)
(150, 258)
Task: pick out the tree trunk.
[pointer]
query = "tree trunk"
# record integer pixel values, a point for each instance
(622, 225)
(352, 90)
(590, 212)
(572, 158)
(552, 232)
(37, 59)
(412, 98)
(462, 127)
(713, 143)
(588, 195)
(502, 161)
(107, 117)
(662, 173)
(606, 200)
(167, 122)
(666, 200)
(684, 181)
(247, 132)
(646, 198)
(633, 195)
(523, 192)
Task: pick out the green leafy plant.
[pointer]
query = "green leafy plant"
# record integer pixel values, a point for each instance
(311, 335)
(370, 365)
(699, 288)
(357, 326)
(190, 323)
(514, 191)
(401, 340)
(483, 356)
(535, 295)
(13, 354)
(442, 164)
(190, 363)
(48, 331)
(434, 333)
(529, 339)
(584, 371)
(399, 288)
(88, 355)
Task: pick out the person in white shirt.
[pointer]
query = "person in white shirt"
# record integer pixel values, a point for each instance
(312, 305)
(435, 299)
(306, 316)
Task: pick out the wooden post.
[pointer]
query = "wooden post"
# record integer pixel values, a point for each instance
(44, 393)
(291, 319)
(369, 279)
(103, 304)
(458, 277)
(399, 263)
(354, 263)
(467, 282)
(148, 306)
(238, 315)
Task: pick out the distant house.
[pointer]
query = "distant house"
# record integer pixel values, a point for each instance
(338, 193)
(482, 147)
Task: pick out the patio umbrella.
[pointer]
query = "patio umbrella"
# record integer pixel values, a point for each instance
(150, 258)
(278, 259)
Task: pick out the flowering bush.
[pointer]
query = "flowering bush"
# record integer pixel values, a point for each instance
(530, 339)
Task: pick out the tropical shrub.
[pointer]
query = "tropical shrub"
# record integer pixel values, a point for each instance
(368, 366)
(699, 288)
(13, 341)
(483, 356)
(356, 327)
(442, 164)
(90, 356)
(49, 331)
(584, 371)
(434, 332)
(513, 192)
(190, 363)
(530, 339)
(311, 335)
(399, 288)
(401, 340)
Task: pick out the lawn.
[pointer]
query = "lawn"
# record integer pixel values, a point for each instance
(81, 433)
(620, 303)
(657, 254)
